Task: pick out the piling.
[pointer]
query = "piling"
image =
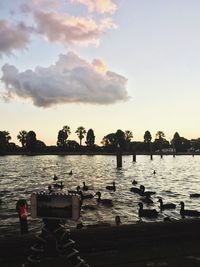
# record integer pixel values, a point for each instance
(119, 156)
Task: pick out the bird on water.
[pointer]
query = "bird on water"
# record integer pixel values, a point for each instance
(166, 206)
(104, 201)
(111, 187)
(149, 213)
(191, 213)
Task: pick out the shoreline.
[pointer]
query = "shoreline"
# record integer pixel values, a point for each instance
(89, 153)
(173, 243)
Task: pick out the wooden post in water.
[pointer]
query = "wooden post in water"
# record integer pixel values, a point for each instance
(173, 147)
(134, 152)
(119, 156)
(150, 148)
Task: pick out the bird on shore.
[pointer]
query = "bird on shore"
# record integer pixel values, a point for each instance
(118, 220)
(146, 193)
(104, 201)
(166, 206)
(111, 187)
(149, 213)
(194, 195)
(191, 213)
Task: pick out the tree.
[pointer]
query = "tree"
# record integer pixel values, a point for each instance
(160, 138)
(147, 140)
(147, 137)
(128, 136)
(121, 139)
(4, 140)
(22, 137)
(31, 141)
(181, 144)
(63, 135)
(90, 138)
(81, 133)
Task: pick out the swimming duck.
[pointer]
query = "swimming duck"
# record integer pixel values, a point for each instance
(85, 196)
(149, 213)
(147, 200)
(134, 182)
(154, 172)
(192, 213)
(60, 186)
(111, 187)
(166, 206)
(146, 193)
(55, 177)
(85, 187)
(118, 220)
(136, 190)
(195, 195)
(107, 202)
(70, 173)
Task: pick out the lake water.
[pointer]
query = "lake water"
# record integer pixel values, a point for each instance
(174, 180)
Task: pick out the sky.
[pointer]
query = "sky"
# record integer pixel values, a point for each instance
(101, 64)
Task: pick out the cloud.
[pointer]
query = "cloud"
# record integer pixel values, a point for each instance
(70, 80)
(29, 6)
(99, 6)
(70, 30)
(13, 36)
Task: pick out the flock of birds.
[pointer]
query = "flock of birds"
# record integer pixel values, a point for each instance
(145, 197)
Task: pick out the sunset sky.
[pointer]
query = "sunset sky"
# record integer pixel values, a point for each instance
(101, 64)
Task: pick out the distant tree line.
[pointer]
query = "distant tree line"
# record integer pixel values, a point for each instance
(109, 143)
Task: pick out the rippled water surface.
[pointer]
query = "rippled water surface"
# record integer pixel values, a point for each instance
(174, 180)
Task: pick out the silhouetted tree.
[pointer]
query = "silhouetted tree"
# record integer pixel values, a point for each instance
(22, 137)
(147, 140)
(109, 140)
(81, 133)
(63, 135)
(4, 141)
(160, 137)
(31, 141)
(72, 145)
(181, 144)
(40, 146)
(90, 138)
(128, 136)
(121, 139)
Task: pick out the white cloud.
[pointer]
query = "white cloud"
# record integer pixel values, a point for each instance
(70, 30)
(13, 36)
(70, 80)
(100, 6)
